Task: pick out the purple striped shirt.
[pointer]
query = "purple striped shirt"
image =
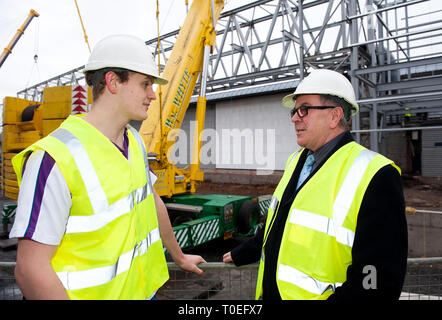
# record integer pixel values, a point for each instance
(46, 166)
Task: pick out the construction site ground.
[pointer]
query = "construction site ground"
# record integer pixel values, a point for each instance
(419, 192)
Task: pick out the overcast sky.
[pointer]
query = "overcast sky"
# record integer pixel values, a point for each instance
(56, 36)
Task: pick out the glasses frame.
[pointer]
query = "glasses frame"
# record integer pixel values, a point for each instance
(296, 110)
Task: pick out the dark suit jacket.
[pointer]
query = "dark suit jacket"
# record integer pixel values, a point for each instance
(381, 239)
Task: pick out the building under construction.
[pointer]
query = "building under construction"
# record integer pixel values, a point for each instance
(391, 51)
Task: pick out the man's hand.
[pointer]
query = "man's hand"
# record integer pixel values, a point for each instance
(189, 263)
(227, 257)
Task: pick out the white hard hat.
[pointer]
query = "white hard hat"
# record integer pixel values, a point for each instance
(324, 81)
(126, 52)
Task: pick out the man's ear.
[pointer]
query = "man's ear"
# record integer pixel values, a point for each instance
(336, 115)
(111, 81)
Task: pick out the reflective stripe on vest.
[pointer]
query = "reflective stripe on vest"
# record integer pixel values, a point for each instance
(98, 276)
(304, 281)
(103, 212)
(142, 146)
(333, 227)
(274, 203)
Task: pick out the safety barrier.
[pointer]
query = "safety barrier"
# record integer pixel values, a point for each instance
(423, 280)
(8, 287)
(223, 281)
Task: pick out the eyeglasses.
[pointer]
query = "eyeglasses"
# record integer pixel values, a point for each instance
(302, 111)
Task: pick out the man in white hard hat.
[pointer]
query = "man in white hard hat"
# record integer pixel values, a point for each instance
(90, 224)
(336, 226)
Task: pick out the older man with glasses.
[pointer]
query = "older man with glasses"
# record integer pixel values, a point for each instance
(336, 226)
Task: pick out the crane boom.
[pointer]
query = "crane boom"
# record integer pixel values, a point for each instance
(17, 36)
(166, 113)
(82, 26)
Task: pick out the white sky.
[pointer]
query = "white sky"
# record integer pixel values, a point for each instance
(57, 37)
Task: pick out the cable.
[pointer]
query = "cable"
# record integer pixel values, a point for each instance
(36, 48)
(160, 94)
(84, 30)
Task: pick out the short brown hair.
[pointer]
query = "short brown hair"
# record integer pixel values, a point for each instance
(96, 79)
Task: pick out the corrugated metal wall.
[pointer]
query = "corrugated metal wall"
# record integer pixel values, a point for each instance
(267, 134)
(432, 153)
(188, 127)
(394, 147)
(252, 133)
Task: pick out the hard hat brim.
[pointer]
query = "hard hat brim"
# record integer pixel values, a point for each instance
(157, 79)
(160, 81)
(324, 82)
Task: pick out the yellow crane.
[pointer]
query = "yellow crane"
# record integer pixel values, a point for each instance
(82, 26)
(195, 218)
(189, 59)
(18, 34)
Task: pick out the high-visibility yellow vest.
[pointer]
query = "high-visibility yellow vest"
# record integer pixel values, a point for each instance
(315, 249)
(111, 248)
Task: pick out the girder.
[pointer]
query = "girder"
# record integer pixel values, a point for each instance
(375, 43)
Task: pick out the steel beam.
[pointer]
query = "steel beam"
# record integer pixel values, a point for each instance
(280, 40)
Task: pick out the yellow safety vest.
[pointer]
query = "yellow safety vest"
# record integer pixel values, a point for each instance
(111, 248)
(316, 246)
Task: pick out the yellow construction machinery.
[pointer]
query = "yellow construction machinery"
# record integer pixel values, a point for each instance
(196, 219)
(188, 60)
(17, 36)
(25, 122)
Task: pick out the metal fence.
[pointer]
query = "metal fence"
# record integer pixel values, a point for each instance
(8, 287)
(221, 281)
(226, 282)
(423, 280)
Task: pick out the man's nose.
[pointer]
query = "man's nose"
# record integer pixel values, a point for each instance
(151, 93)
(295, 118)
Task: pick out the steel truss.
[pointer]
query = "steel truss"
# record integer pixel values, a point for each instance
(392, 58)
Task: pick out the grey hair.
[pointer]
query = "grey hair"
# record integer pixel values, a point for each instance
(339, 102)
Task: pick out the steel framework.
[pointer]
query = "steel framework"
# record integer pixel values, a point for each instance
(390, 50)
